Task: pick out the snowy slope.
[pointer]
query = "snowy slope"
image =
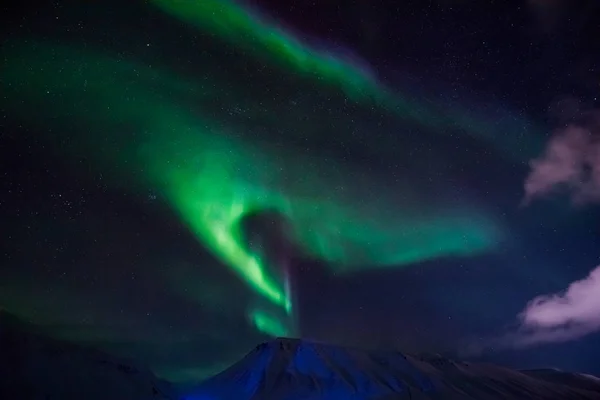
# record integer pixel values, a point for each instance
(33, 366)
(293, 369)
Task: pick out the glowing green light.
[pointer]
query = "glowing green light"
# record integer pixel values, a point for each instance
(269, 324)
(233, 22)
(143, 126)
(267, 40)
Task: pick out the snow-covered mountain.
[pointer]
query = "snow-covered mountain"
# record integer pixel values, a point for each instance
(294, 369)
(33, 366)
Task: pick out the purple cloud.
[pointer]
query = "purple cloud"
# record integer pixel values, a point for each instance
(559, 317)
(571, 162)
(563, 316)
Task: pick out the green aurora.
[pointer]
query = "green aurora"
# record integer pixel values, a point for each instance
(258, 35)
(146, 128)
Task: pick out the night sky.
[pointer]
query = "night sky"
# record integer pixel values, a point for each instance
(181, 180)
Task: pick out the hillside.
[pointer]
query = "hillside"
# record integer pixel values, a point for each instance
(294, 369)
(33, 366)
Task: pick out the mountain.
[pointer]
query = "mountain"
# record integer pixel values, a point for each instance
(33, 366)
(295, 369)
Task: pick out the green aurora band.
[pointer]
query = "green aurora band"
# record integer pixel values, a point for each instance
(269, 324)
(258, 35)
(137, 124)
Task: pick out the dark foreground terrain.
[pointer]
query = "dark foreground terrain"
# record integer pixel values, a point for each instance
(294, 369)
(33, 366)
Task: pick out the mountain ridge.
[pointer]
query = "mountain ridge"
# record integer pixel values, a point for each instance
(35, 366)
(287, 368)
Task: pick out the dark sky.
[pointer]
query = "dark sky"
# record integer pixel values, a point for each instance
(387, 210)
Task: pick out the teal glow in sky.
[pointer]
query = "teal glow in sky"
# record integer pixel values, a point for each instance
(185, 179)
(266, 39)
(131, 119)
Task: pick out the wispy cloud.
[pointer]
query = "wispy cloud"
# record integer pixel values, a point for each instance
(561, 317)
(570, 162)
(552, 318)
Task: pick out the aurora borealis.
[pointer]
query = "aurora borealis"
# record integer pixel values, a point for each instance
(256, 34)
(213, 178)
(265, 152)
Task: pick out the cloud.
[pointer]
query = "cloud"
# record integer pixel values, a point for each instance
(561, 317)
(553, 318)
(571, 162)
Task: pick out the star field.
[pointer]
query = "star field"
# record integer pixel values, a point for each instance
(185, 179)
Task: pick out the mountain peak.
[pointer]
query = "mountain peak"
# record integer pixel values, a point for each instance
(284, 343)
(287, 368)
